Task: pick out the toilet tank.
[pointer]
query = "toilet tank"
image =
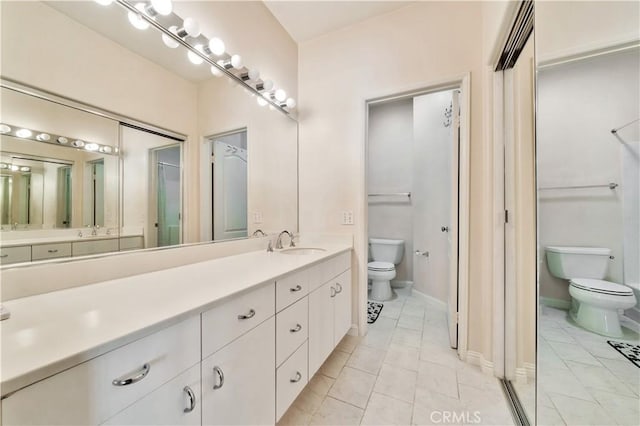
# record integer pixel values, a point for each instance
(578, 262)
(383, 250)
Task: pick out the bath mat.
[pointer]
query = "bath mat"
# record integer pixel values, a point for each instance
(630, 351)
(373, 310)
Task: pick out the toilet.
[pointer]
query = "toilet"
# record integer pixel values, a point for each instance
(595, 302)
(386, 254)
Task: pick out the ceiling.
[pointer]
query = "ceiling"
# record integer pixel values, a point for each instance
(306, 20)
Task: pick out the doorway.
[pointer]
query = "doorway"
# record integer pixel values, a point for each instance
(420, 203)
(166, 198)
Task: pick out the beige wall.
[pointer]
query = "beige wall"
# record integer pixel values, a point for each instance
(406, 49)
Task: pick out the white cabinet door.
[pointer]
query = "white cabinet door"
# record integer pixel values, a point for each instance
(239, 381)
(342, 305)
(321, 341)
(175, 403)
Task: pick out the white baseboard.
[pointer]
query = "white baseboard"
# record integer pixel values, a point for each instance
(526, 373)
(476, 358)
(556, 303)
(401, 283)
(353, 331)
(432, 301)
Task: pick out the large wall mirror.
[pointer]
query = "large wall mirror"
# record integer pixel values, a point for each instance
(91, 178)
(587, 155)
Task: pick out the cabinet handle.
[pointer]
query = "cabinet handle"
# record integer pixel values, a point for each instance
(338, 288)
(4, 255)
(192, 399)
(297, 328)
(297, 378)
(296, 288)
(218, 371)
(247, 316)
(52, 251)
(133, 377)
(333, 292)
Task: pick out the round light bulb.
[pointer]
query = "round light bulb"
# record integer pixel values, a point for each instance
(14, 168)
(163, 7)
(63, 140)
(254, 74)
(24, 133)
(195, 59)
(261, 101)
(4, 128)
(216, 46)
(215, 71)
(3, 166)
(291, 103)
(236, 61)
(104, 2)
(78, 143)
(107, 149)
(92, 147)
(43, 137)
(25, 169)
(192, 27)
(281, 95)
(168, 41)
(136, 19)
(267, 85)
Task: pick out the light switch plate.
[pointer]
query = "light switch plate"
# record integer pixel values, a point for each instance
(257, 217)
(347, 217)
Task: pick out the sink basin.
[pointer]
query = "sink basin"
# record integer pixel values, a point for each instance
(302, 250)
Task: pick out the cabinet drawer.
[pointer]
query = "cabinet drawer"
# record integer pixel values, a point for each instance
(171, 404)
(86, 395)
(236, 316)
(291, 378)
(15, 254)
(290, 288)
(50, 251)
(239, 381)
(291, 329)
(131, 243)
(84, 248)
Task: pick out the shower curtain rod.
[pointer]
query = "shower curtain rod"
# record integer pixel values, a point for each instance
(162, 163)
(614, 131)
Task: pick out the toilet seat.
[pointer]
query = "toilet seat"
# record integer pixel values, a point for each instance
(601, 286)
(381, 266)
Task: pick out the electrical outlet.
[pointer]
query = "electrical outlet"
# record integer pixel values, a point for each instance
(347, 218)
(257, 217)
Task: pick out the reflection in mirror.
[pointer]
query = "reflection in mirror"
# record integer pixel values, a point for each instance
(587, 132)
(229, 182)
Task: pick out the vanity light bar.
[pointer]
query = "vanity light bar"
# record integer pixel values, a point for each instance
(53, 139)
(176, 31)
(14, 167)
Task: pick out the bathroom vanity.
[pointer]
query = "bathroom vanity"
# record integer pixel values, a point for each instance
(227, 341)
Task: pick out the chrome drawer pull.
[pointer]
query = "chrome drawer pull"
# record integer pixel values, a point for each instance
(338, 288)
(297, 378)
(217, 370)
(5, 255)
(52, 251)
(251, 314)
(296, 288)
(134, 377)
(333, 292)
(297, 328)
(192, 399)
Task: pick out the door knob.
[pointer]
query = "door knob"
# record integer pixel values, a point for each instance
(445, 229)
(422, 253)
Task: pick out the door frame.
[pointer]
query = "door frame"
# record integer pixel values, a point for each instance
(461, 82)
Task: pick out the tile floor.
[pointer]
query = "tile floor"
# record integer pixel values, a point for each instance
(581, 379)
(402, 373)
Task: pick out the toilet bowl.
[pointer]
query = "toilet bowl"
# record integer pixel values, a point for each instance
(595, 302)
(386, 254)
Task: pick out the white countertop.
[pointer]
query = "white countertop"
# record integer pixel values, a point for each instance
(51, 332)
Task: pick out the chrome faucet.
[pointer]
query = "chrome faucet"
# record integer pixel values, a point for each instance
(279, 240)
(14, 226)
(258, 231)
(94, 230)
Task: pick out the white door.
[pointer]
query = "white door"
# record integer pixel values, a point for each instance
(434, 197)
(452, 231)
(342, 306)
(321, 325)
(229, 191)
(239, 381)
